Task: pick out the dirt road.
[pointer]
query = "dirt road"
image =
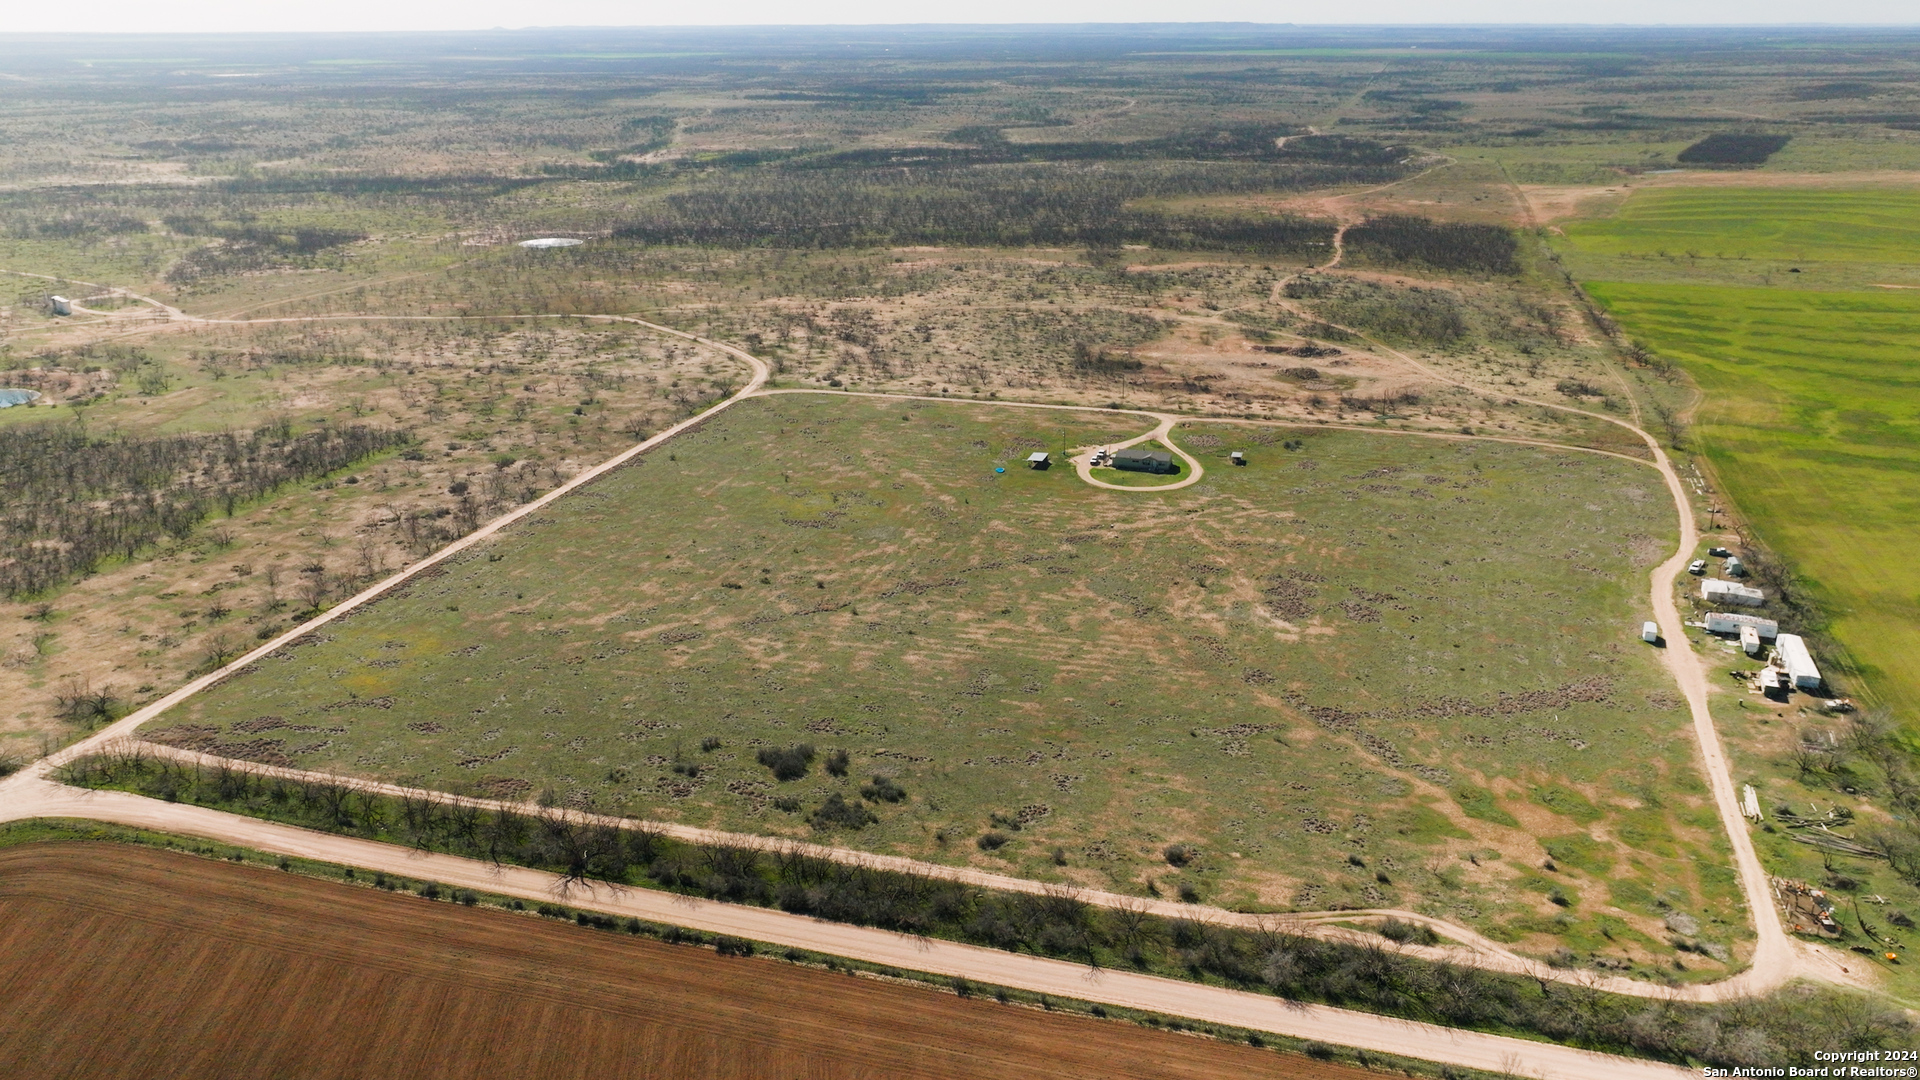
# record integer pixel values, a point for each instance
(39, 798)
(1083, 460)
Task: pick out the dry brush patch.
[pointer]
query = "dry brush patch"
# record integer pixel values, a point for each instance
(497, 412)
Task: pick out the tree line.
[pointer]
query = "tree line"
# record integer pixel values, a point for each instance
(70, 500)
(997, 206)
(1485, 249)
(1789, 1026)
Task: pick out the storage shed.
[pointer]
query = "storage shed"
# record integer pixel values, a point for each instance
(1238, 457)
(1650, 632)
(1790, 652)
(1727, 592)
(61, 305)
(1137, 460)
(1727, 622)
(1750, 641)
(1039, 459)
(1736, 568)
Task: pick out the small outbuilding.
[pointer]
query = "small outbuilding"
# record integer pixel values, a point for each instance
(1736, 568)
(1750, 641)
(61, 305)
(1790, 652)
(1650, 632)
(1773, 683)
(1137, 460)
(1039, 459)
(1727, 622)
(1727, 592)
(1238, 457)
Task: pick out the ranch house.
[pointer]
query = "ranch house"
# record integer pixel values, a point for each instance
(1154, 461)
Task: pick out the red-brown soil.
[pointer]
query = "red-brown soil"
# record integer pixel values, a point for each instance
(129, 962)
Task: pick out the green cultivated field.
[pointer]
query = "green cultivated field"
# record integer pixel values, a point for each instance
(1812, 417)
(1336, 674)
(1862, 225)
(1812, 408)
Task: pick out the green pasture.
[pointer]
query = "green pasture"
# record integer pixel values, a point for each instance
(1362, 648)
(1879, 225)
(1812, 419)
(1812, 408)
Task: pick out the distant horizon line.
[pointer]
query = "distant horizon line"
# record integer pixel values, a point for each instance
(1036, 25)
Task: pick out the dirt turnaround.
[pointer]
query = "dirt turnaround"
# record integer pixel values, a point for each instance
(131, 962)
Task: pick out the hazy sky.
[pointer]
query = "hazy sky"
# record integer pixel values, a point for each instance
(205, 15)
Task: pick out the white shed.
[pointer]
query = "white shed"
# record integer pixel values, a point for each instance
(1750, 641)
(1727, 622)
(1736, 568)
(1650, 632)
(1727, 592)
(61, 305)
(1039, 459)
(1790, 652)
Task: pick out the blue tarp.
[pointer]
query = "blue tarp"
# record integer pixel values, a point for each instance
(10, 398)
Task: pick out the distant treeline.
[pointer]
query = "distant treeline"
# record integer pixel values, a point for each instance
(70, 500)
(1789, 1027)
(1729, 149)
(1001, 206)
(1258, 142)
(1487, 249)
(1273, 144)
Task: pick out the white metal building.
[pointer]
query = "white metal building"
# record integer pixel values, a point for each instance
(1727, 592)
(61, 305)
(1790, 652)
(1727, 622)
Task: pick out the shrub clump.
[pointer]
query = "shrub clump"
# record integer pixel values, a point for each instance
(1408, 933)
(992, 841)
(787, 763)
(838, 813)
(883, 789)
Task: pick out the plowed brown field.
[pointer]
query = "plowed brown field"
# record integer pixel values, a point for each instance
(130, 962)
